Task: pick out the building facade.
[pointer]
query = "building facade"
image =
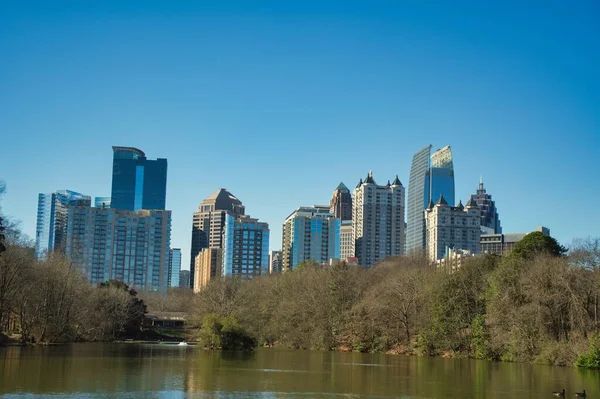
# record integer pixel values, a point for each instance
(52, 213)
(500, 244)
(130, 246)
(207, 266)
(245, 248)
(341, 203)
(184, 279)
(346, 240)
(431, 176)
(208, 223)
(450, 227)
(137, 182)
(378, 220)
(174, 267)
(490, 221)
(310, 233)
(102, 202)
(275, 262)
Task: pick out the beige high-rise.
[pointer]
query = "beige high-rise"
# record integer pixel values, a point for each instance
(208, 224)
(207, 266)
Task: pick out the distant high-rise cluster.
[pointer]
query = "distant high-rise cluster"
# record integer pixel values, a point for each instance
(125, 237)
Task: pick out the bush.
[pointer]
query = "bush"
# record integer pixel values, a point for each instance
(224, 332)
(590, 360)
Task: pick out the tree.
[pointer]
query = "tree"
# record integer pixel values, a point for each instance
(224, 332)
(125, 310)
(537, 243)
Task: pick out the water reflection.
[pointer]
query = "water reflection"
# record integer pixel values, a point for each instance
(165, 371)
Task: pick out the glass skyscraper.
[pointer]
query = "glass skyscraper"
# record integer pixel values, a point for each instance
(310, 233)
(102, 202)
(245, 247)
(137, 183)
(431, 176)
(51, 229)
(174, 267)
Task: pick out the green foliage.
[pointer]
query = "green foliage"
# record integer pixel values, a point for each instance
(537, 243)
(224, 332)
(591, 359)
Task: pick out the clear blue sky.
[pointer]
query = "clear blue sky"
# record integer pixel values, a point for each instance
(280, 101)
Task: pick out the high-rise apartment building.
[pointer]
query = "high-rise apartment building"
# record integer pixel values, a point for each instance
(130, 246)
(378, 220)
(51, 229)
(208, 224)
(275, 262)
(431, 176)
(245, 247)
(174, 267)
(490, 221)
(341, 203)
(346, 240)
(207, 266)
(450, 227)
(310, 233)
(137, 182)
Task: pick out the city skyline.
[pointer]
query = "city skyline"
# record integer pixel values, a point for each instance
(225, 96)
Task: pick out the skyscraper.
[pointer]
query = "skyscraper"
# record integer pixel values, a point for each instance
(130, 246)
(275, 262)
(346, 240)
(378, 220)
(450, 227)
(184, 279)
(102, 202)
(431, 176)
(310, 233)
(208, 223)
(341, 203)
(52, 212)
(207, 266)
(137, 183)
(245, 247)
(174, 267)
(490, 221)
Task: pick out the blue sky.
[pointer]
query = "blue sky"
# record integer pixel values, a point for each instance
(280, 101)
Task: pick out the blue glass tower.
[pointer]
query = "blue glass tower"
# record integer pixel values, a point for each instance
(137, 183)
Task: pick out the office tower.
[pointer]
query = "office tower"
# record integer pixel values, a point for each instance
(245, 247)
(310, 233)
(452, 227)
(208, 223)
(207, 266)
(184, 279)
(174, 267)
(275, 262)
(102, 202)
(341, 203)
(130, 246)
(137, 182)
(346, 240)
(378, 220)
(431, 176)
(490, 221)
(50, 232)
(416, 202)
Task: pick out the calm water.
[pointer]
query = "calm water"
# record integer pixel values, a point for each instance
(163, 371)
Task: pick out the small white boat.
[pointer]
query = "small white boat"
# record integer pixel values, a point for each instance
(182, 343)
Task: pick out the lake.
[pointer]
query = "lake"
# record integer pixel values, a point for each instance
(167, 371)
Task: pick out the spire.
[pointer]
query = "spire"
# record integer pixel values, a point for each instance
(369, 178)
(481, 182)
(359, 183)
(471, 204)
(460, 205)
(396, 182)
(442, 201)
(341, 187)
(430, 205)
(388, 184)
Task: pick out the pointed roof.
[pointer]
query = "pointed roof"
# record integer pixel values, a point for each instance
(396, 182)
(222, 200)
(471, 203)
(430, 206)
(342, 187)
(460, 205)
(442, 201)
(388, 184)
(359, 183)
(369, 178)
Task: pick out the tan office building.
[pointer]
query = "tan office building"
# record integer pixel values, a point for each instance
(207, 266)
